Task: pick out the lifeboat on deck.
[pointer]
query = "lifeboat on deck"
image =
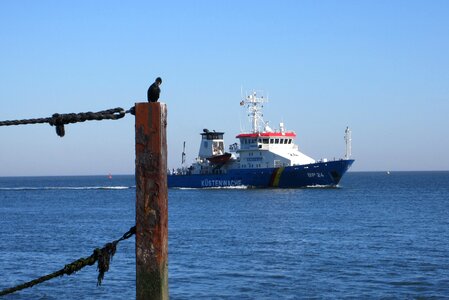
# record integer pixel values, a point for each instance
(219, 159)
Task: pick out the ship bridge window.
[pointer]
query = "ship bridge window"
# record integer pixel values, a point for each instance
(271, 141)
(265, 141)
(290, 141)
(276, 141)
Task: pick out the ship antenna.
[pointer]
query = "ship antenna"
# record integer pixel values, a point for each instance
(255, 110)
(183, 156)
(348, 140)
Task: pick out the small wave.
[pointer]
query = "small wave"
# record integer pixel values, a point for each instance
(114, 188)
(318, 186)
(236, 187)
(62, 188)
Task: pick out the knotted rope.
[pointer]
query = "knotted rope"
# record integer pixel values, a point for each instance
(103, 256)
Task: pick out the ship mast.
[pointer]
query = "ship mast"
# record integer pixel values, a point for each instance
(348, 141)
(255, 110)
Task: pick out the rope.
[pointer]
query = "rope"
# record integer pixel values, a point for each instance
(59, 120)
(103, 256)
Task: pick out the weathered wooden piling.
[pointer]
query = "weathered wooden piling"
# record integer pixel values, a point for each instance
(151, 201)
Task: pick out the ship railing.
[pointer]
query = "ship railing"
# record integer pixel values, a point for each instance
(325, 160)
(179, 171)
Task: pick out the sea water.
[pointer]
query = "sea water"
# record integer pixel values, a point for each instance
(374, 236)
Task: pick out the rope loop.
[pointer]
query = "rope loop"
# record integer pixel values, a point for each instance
(103, 257)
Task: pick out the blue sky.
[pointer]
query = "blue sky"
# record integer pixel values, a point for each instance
(380, 67)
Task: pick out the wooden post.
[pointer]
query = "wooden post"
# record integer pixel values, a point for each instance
(151, 201)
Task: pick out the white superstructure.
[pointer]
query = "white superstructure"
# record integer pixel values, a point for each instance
(264, 147)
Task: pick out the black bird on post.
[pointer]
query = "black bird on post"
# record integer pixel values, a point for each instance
(154, 90)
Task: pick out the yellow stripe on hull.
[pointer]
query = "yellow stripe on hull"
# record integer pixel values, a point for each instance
(277, 177)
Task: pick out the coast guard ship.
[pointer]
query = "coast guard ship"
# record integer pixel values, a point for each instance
(263, 158)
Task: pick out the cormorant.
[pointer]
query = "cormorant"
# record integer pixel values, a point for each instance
(154, 90)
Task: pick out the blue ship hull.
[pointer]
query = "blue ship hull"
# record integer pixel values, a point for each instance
(316, 174)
